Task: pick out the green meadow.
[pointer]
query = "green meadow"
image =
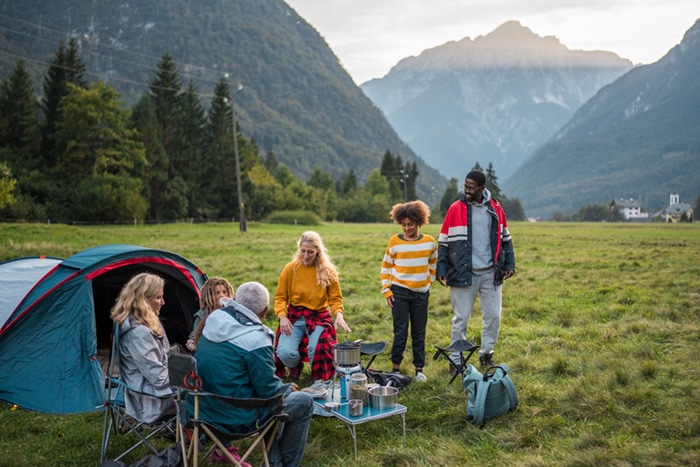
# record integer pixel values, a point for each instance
(601, 331)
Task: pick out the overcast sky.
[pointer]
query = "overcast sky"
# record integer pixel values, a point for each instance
(371, 36)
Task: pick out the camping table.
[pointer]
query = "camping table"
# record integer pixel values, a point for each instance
(368, 414)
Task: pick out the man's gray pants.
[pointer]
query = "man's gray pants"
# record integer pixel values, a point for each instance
(463, 299)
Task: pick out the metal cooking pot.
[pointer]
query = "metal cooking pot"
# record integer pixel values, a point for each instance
(383, 397)
(346, 353)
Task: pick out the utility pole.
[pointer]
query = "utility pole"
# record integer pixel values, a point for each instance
(243, 224)
(404, 176)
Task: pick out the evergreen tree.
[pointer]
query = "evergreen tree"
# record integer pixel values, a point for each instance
(165, 89)
(270, 162)
(19, 119)
(393, 174)
(20, 146)
(220, 170)
(320, 179)
(190, 144)
(156, 176)
(413, 173)
(450, 195)
(492, 182)
(66, 67)
(349, 183)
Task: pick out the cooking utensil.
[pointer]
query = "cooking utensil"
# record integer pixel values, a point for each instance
(315, 392)
(355, 407)
(346, 353)
(383, 397)
(331, 406)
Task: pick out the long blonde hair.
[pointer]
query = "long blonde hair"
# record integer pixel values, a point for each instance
(326, 272)
(133, 300)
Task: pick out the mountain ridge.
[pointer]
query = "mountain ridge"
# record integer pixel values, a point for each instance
(493, 99)
(296, 100)
(638, 137)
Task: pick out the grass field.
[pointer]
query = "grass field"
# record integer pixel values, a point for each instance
(601, 331)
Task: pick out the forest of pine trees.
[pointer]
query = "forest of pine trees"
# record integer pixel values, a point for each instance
(76, 154)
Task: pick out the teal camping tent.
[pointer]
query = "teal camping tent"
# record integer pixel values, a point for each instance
(55, 328)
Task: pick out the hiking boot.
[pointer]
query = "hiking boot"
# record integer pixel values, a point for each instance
(486, 360)
(295, 372)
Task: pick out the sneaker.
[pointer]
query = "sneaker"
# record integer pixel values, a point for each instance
(420, 377)
(486, 360)
(222, 458)
(295, 372)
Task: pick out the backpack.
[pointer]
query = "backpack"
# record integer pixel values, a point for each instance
(383, 378)
(490, 395)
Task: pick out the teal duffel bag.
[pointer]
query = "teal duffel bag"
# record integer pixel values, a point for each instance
(490, 394)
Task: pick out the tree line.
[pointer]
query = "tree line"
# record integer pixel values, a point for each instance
(75, 153)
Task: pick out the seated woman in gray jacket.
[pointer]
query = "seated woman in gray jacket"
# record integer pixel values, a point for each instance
(143, 347)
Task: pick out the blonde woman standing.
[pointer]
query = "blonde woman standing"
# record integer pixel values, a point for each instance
(143, 347)
(309, 305)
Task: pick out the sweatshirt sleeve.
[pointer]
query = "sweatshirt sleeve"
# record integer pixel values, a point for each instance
(282, 292)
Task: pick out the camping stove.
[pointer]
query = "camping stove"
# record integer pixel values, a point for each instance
(344, 372)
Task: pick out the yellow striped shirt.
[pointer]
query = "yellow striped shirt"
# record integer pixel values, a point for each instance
(409, 264)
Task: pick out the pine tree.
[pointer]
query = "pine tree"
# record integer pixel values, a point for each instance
(219, 172)
(392, 173)
(66, 67)
(349, 183)
(156, 177)
(413, 173)
(19, 119)
(492, 182)
(189, 148)
(450, 195)
(165, 90)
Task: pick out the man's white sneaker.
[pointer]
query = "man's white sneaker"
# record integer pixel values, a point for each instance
(420, 377)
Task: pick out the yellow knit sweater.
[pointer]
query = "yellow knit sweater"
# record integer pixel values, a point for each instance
(409, 264)
(297, 285)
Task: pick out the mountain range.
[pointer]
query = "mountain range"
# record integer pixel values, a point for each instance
(493, 99)
(638, 137)
(588, 127)
(296, 99)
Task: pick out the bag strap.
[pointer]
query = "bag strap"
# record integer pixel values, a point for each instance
(510, 391)
(482, 390)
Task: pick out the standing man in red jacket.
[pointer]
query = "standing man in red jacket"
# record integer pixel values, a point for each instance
(475, 256)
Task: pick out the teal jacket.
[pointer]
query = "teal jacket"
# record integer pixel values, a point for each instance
(235, 359)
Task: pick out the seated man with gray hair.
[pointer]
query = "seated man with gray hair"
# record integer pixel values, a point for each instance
(235, 359)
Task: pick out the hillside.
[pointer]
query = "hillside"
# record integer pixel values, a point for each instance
(637, 138)
(495, 98)
(296, 99)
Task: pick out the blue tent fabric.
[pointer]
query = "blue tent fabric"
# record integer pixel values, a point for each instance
(49, 341)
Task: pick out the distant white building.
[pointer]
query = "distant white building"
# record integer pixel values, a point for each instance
(675, 210)
(629, 208)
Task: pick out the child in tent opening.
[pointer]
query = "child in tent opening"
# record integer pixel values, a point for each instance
(407, 274)
(213, 290)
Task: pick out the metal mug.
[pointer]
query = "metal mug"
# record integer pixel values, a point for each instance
(355, 407)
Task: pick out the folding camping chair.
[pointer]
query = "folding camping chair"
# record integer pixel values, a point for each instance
(460, 366)
(117, 422)
(263, 435)
(373, 349)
